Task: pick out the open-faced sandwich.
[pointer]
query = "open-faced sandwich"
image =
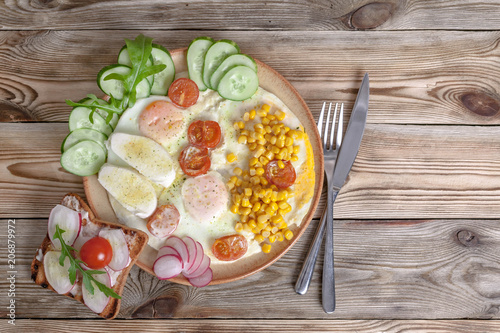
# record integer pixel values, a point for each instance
(86, 259)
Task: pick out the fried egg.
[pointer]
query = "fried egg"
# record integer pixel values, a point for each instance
(203, 202)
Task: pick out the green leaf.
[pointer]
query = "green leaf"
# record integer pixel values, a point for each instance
(115, 76)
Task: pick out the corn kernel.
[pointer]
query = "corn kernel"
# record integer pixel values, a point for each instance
(233, 179)
(268, 129)
(265, 121)
(259, 171)
(242, 139)
(294, 158)
(288, 234)
(246, 116)
(272, 238)
(259, 238)
(280, 115)
(282, 225)
(252, 114)
(283, 204)
(282, 195)
(264, 160)
(256, 207)
(254, 180)
(259, 151)
(288, 141)
(231, 157)
(251, 223)
(277, 219)
(262, 218)
(279, 236)
(266, 107)
(269, 154)
(245, 202)
(230, 185)
(262, 113)
(264, 181)
(256, 230)
(244, 218)
(270, 211)
(239, 181)
(261, 225)
(235, 209)
(273, 140)
(259, 128)
(252, 146)
(250, 139)
(238, 227)
(237, 171)
(265, 233)
(253, 161)
(266, 248)
(281, 165)
(274, 230)
(245, 210)
(289, 150)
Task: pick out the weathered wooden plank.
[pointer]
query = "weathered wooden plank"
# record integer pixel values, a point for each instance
(415, 77)
(252, 15)
(400, 172)
(411, 269)
(254, 325)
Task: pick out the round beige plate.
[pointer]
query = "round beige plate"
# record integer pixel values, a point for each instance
(273, 82)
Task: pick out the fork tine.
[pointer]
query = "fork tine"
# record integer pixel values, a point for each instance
(340, 127)
(332, 132)
(325, 135)
(320, 119)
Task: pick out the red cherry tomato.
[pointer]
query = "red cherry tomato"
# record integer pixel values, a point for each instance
(164, 221)
(194, 161)
(229, 248)
(183, 92)
(96, 253)
(281, 177)
(204, 133)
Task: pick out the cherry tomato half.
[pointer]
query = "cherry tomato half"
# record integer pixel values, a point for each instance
(96, 253)
(194, 161)
(204, 133)
(281, 177)
(164, 221)
(183, 92)
(229, 248)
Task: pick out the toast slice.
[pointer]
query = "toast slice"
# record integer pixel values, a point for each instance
(136, 241)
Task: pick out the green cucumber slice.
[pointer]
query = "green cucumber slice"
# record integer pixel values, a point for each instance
(104, 114)
(79, 118)
(229, 62)
(163, 79)
(85, 158)
(195, 58)
(239, 83)
(215, 56)
(115, 88)
(81, 134)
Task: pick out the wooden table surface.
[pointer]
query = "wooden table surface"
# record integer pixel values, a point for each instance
(417, 230)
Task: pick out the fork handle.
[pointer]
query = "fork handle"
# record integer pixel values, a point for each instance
(306, 272)
(328, 291)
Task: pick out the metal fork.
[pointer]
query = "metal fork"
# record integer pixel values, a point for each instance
(330, 152)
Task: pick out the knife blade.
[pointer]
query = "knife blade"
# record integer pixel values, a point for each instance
(354, 133)
(345, 159)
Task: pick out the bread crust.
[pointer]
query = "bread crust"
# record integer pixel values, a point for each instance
(136, 241)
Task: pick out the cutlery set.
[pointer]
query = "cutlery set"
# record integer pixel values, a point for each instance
(339, 156)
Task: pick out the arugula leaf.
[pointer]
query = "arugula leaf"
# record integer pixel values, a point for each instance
(98, 103)
(88, 279)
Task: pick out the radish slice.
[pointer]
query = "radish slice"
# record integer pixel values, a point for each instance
(167, 266)
(68, 220)
(181, 247)
(57, 275)
(205, 264)
(202, 280)
(99, 300)
(192, 249)
(200, 254)
(121, 254)
(168, 250)
(113, 275)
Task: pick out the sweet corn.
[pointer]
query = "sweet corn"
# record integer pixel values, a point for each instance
(265, 121)
(288, 141)
(288, 234)
(245, 202)
(252, 114)
(238, 227)
(231, 157)
(266, 234)
(248, 191)
(263, 218)
(266, 248)
(253, 161)
(280, 115)
(259, 238)
(281, 165)
(245, 210)
(259, 171)
(262, 113)
(272, 238)
(256, 207)
(294, 158)
(251, 223)
(230, 185)
(279, 236)
(266, 107)
(237, 171)
(242, 139)
(235, 209)
(246, 116)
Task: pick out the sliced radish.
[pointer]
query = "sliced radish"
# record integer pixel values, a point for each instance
(121, 254)
(200, 254)
(99, 300)
(57, 275)
(181, 247)
(68, 220)
(113, 275)
(202, 280)
(167, 266)
(204, 265)
(191, 246)
(168, 250)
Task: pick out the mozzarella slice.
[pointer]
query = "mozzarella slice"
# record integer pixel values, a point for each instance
(205, 197)
(144, 155)
(129, 188)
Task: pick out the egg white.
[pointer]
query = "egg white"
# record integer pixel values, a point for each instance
(210, 106)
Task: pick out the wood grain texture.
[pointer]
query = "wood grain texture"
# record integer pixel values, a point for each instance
(255, 325)
(411, 269)
(251, 15)
(415, 77)
(401, 171)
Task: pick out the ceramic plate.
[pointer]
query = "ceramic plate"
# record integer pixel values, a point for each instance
(273, 82)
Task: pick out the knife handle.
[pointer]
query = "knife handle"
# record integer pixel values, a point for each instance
(306, 272)
(328, 283)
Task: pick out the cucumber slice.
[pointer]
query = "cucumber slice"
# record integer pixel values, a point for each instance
(104, 114)
(81, 134)
(195, 58)
(215, 56)
(163, 79)
(239, 83)
(229, 62)
(85, 158)
(115, 87)
(79, 118)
